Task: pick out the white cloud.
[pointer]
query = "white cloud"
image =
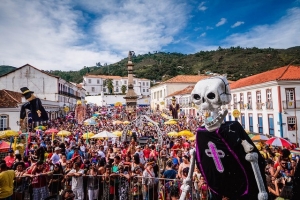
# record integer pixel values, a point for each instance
(202, 7)
(203, 34)
(282, 34)
(221, 22)
(50, 35)
(236, 24)
(209, 28)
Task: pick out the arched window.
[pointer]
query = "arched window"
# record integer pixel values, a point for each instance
(3, 122)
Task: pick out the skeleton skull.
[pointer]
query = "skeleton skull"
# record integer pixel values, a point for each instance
(210, 94)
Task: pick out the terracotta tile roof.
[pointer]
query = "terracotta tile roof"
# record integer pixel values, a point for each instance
(282, 73)
(32, 67)
(102, 76)
(186, 90)
(186, 79)
(10, 99)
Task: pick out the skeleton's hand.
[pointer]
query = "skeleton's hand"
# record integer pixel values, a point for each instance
(39, 113)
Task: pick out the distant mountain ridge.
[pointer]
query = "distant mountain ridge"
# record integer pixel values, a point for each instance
(236, 62)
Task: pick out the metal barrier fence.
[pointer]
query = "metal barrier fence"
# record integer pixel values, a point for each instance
(113, 187)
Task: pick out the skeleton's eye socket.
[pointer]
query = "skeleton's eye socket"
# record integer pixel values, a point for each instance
(196, 96)
(211, 95)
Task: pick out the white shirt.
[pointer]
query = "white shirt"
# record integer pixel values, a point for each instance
(141, 155)
(77, 182)
(55, 158)
(101, 154)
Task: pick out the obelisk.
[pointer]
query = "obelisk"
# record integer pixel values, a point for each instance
(131, 97)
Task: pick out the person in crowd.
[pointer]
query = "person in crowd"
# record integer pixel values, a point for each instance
(6, 182)
(77, 181)
(10, 159)
(19, 182)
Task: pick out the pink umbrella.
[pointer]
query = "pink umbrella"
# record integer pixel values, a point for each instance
(279, 142)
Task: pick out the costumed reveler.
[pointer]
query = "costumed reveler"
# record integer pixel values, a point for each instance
(80, 112)
(34, 105)
(227, 158)
(174, 108)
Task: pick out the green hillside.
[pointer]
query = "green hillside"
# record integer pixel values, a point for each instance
(5, 69)
(236, 62)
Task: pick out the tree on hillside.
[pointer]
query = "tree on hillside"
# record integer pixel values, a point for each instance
(123, 89)
(109, 84)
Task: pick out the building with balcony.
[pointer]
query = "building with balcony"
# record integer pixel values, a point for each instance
(45, 86)
(269, 102)
(160, 91)
(96, 84)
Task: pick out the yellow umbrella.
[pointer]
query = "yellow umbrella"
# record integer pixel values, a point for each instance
(171, 122)
(192, 138)
(118, 104)
(8, 133)
(117, 133)
(173, 134)
(63, 133)
(40, 127)
(117, 122)
(126, 122)
(186, 133)
(88, 135)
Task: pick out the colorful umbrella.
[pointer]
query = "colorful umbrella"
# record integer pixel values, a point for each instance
(186, 133)
(90, 121)
(4, 146)
(117, 133)
(259, 138)
(117, 122)
(63, 133)
(40, 128)
(104, 134)
(173, 134)
(8, 133)
(88, 135)
(118, 104)
(126, 122)
(52, 130)
(279, 142)
(192, 138)
(171, 122)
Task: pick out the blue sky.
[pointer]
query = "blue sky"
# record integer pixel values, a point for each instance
(70, 34)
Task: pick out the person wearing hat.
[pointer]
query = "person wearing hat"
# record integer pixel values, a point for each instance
(55, 157)
(35, 106)
(174, 107)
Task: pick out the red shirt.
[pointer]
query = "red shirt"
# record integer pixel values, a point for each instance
(9, 161)
(38, 181)
(146, 153)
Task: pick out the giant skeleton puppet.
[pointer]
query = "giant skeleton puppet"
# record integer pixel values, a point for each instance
(227, 158)
(35, 106)
(80, 112)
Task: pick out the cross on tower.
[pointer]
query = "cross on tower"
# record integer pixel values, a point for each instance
(216, 155)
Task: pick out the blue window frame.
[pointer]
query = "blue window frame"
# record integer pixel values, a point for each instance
(271, 124)
(243, 120)
(250, 123)
(260, 123)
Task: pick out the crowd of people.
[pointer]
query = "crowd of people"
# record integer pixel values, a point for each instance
(76, 168)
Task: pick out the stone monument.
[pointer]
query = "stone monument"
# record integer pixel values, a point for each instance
(131, 96)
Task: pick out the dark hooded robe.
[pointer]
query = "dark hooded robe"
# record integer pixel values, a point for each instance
(221, 159)
(35, 105)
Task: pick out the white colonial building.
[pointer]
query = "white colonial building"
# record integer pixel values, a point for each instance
(160, 91)
(95, 84)
(45, 86)
(269, 102)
